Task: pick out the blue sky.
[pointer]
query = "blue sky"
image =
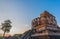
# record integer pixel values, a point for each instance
(21, 12)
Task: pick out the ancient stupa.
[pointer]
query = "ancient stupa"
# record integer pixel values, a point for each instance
(45, 27)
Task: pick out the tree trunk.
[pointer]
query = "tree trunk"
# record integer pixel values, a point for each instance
(3, 34)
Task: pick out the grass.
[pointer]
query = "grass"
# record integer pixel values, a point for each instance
(0, 37)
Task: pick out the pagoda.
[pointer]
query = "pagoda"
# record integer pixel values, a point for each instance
(45, 27)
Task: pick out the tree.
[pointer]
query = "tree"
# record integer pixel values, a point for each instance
(6, 26)
(17, 36)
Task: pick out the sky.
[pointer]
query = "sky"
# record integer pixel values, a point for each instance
(21, 12)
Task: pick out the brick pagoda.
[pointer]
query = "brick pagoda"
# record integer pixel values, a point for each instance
(45, 27)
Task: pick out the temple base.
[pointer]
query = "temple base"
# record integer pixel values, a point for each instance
(46, 37)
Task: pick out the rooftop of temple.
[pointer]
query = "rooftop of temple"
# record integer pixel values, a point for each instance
(46, 13)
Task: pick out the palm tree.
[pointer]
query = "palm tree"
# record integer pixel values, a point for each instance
(6, 26)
